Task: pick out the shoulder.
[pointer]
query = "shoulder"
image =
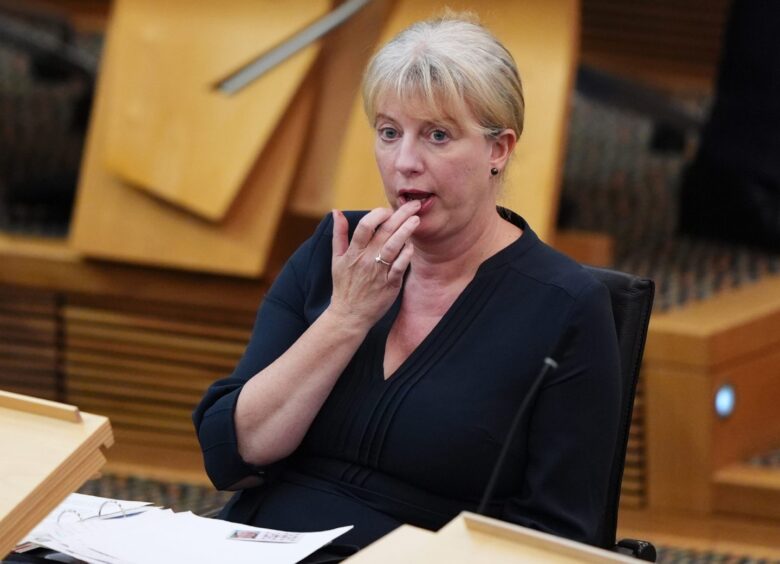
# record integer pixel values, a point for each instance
(549, 268)
(556, 269)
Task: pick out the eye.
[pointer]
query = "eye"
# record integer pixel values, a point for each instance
(388, 133)
(439, 136)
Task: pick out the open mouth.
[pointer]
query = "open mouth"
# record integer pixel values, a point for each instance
(409, 195)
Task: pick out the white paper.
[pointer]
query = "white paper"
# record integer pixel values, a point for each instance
(78, 507)
(162, 536)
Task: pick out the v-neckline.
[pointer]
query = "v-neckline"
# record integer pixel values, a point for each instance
(388, 321)
(519, 245)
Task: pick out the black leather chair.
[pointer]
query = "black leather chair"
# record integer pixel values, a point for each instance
(632, 301)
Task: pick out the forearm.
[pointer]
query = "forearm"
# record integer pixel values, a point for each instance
(276, 407)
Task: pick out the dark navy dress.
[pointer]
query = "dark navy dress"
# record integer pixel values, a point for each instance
(419, 447)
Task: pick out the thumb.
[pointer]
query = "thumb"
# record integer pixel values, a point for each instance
(340, 233)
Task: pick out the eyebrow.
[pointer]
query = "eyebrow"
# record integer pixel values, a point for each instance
(448, 123)
(382, 116)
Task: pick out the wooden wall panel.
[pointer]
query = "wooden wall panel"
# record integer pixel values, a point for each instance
(169, 131)
(733, 338)
(114, 220)
(344, 54)
(679, 433)
(672, 43)
(29, 342)
(146, 366)
(754, 426)
(633, 491)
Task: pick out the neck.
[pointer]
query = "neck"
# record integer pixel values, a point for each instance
(458, 257)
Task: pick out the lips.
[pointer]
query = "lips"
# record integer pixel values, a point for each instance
(426, 199)
(405, 196)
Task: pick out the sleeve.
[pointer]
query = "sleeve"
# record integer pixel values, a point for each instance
(573, 427)
(280, 321)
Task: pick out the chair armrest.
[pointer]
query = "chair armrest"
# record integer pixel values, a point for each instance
(640, 549)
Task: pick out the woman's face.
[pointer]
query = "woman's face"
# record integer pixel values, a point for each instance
(445, 165)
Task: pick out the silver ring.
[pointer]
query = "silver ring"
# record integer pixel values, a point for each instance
(379, 259)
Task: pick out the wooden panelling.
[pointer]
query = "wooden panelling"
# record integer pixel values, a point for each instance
(169, 131)
(673, 43)
(114, 220)
(86, 15)
(146, 365)
(345, 52)
(754, 426)
(633, 491)
(51, 265)
(166, 463)
(29, 347)
(596, 249)
(733, 338)
(679, 431)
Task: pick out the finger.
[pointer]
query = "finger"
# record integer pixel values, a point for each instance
(395, 244)
(340, 233)
(367, 226)
(399, 217)
(395, 275)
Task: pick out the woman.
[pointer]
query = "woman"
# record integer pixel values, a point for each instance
(390, 355)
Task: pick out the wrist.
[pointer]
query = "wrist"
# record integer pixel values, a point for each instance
(345, 322)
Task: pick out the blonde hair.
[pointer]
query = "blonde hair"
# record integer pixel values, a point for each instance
(453, 67)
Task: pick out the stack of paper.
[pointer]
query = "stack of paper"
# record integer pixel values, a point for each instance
(149, 535)
(80, 507)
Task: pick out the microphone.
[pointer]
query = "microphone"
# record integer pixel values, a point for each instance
(548, 365)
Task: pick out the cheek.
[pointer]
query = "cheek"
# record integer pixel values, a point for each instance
(383, 157)
(464, 175)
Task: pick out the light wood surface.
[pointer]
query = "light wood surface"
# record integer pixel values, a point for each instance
(46, 408)
(474, 538)
(44, 459)
(748, 490)
(406, 540)
(170, 132)
(543, 37)
(730, 326)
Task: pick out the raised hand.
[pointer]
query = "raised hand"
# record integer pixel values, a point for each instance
(368, 271)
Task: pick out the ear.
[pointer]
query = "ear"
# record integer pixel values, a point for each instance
(501, 149)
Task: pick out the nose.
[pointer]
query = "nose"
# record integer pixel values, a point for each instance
(408, 160)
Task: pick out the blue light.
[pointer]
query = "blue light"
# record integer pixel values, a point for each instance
(725, 398)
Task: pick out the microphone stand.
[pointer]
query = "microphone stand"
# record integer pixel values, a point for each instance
(548, 365)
